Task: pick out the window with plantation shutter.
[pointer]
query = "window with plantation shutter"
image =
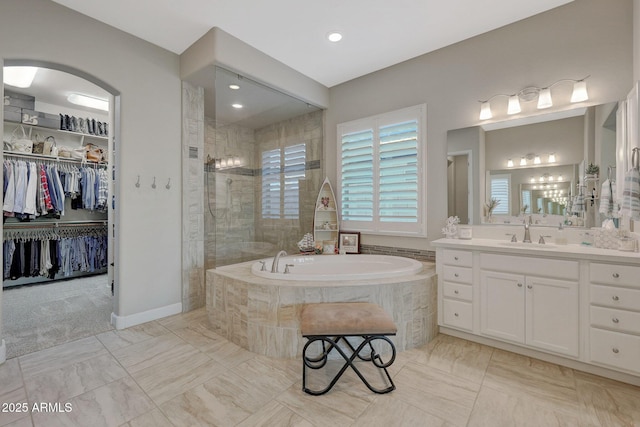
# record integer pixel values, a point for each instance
(380, 173)
(500, 190)
(271, 183)
(282, 170)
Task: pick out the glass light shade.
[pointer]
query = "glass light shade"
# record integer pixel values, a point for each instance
(223, 163)
(536, 160)
(579, 92)
(560, 178)
(544, 98)
(550, 177)
(541, 179)
(532, 180)
(485, 111)
(236, 161)
(523, 161)
(552, 158)
(514, 105)
(19, 76)
(509, 163)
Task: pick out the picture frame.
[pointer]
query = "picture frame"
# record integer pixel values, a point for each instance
(349, 242)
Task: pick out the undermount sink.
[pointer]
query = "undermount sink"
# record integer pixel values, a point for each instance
(528, 245)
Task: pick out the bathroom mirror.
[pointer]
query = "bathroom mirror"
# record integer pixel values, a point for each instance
(546, 151)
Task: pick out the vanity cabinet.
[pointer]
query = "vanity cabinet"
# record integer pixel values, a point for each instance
(614, 315)
(457, 291)
(535, 311)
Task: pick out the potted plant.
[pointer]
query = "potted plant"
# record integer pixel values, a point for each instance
(592, 170)
(490, 206)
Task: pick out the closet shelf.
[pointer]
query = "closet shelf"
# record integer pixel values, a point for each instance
(51, 158)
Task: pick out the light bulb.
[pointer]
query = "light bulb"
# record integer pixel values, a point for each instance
(485, 111)
(514, 105)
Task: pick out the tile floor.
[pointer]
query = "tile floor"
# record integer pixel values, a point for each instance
(177, 372)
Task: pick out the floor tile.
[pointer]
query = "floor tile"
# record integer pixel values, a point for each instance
(20, 408)
(272, 376)
(386, 410)
(275, 414)
(224, 401)
(609, 402)
(110, 405)
(60, 356)
(153, 418)
(150, 352)
(72, 380)
(114, 340)
(10, 376)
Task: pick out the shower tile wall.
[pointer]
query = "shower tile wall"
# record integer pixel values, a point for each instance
(193, 274)
(308, 128)
(229, 194)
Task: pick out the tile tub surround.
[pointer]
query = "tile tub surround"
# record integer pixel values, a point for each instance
(263, 315)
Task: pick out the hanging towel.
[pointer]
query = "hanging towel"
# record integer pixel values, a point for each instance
(578, 203)
(607, 198)
(631, 194)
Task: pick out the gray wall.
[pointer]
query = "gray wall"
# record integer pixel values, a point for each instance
(148, 144)
(585, 37)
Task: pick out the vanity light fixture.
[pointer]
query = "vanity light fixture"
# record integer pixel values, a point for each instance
(523, 161)
(21, 77)
(88, 101)
(509, 163)
(552, 158)
(532, 93)
(536, 160)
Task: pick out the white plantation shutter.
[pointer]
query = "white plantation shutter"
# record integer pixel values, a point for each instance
(399, 173)
(271, 184)
(294, 170)
(357, 176)
(380, 173)
(500, 190)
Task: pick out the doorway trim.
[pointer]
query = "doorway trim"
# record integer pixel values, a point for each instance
(470, 201)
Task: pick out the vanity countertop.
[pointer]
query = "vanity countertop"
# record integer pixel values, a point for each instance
(574, 251)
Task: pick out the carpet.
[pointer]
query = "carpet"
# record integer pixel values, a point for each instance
(45, 315)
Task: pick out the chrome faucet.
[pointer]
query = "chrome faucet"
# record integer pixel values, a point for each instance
(527, 234)
(276, 259)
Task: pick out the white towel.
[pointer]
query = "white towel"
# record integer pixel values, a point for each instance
(607, 198)
(631, 194)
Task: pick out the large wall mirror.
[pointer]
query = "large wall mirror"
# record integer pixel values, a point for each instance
(534, 165)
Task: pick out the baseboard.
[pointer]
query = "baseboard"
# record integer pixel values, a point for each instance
(123, 322)
(3, 352)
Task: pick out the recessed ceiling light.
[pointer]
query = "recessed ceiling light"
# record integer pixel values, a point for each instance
(234, 87)
(88, 101)
(236, 105)
(334, 36)
(19, 76)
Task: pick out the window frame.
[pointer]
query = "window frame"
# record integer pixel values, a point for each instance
(375, 123)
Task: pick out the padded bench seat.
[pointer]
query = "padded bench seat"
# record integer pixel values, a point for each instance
(330, 323)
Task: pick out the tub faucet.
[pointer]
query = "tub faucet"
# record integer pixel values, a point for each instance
(274, 266)
(527, 235)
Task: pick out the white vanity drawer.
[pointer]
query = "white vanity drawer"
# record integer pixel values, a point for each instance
(457, 274)
(615, 349)
(541, 267)
(454, 257)
(619, 320)
(457, 314)
(612, 274)
(610, 296)
(457, 290)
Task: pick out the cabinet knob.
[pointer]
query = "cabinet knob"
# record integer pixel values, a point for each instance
(519, 285)
(615, 350)
(615, 298)
(455, 275)
(616, 275)
(456, 292)
(529, 287)
(615, 320)
(455, 257)
(455, 314)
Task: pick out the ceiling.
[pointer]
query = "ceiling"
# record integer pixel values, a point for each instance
(377, 33)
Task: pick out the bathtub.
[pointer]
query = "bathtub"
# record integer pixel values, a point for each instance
(260, 310)
(337, 267)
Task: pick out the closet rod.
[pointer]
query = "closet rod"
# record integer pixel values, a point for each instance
(51, 224)
(53, 159)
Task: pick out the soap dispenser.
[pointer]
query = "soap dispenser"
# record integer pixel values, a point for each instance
(561, 239)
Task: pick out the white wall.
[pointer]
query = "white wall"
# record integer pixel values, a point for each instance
(585, 37)
(148, 143)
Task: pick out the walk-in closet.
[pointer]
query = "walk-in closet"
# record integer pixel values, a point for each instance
(57, 195)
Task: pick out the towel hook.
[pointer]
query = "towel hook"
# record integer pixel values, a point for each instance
(138, 182)
(168, 186)
(154, 183)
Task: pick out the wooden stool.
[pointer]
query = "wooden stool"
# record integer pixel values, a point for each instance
(332, 322)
